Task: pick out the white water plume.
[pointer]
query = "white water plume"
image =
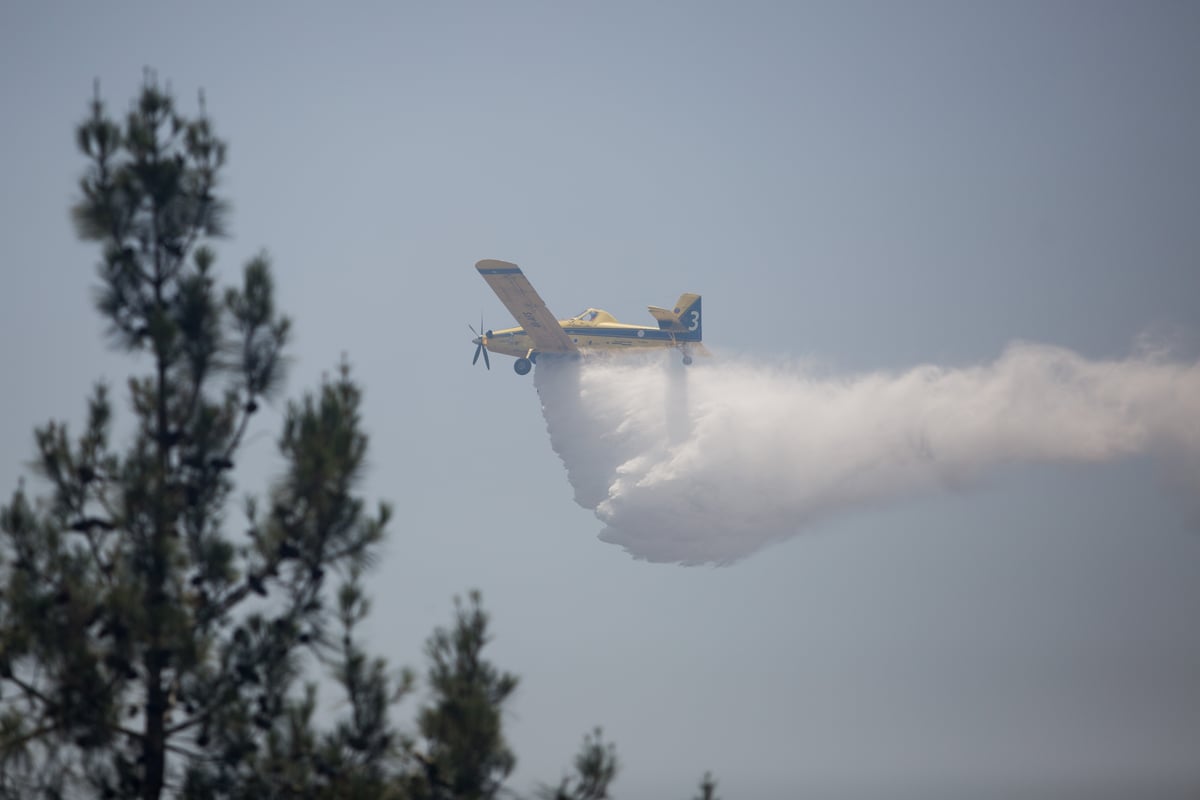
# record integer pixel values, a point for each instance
(711, 462)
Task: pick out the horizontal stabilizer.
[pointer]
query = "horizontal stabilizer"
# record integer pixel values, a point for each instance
(667, 320)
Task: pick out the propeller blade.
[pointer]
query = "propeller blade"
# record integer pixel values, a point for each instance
(479, 348)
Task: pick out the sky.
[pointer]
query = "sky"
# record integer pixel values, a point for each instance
(861, 192)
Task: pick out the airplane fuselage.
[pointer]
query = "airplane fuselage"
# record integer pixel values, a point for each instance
(599, 334)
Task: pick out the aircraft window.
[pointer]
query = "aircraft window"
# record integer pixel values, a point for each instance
(586, 316)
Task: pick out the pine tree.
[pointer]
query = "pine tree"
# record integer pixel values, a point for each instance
(463, 754)
(595, 768)
(708, 788)
(146, 647)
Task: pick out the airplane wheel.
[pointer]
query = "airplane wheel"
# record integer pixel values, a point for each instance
(522, 366)
(687, 360)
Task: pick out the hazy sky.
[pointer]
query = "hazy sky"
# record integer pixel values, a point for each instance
(855, 187)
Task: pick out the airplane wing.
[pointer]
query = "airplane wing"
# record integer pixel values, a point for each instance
(519, 297)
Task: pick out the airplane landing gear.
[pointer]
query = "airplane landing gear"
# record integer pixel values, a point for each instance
(687, 361)
(522, 366)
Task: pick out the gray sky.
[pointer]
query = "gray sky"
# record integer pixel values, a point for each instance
(857, 186)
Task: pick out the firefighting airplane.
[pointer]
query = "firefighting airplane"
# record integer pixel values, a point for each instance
(591, 330)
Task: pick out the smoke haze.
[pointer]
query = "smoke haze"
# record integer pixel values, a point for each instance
(709, 463)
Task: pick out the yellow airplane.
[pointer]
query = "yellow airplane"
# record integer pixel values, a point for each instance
(592, 330)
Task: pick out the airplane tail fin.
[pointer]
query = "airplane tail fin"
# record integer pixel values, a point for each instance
(684, 320)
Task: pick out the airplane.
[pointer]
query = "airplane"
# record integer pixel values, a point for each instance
(591, 330)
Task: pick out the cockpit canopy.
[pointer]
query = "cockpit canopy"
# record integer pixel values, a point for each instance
(593, 316)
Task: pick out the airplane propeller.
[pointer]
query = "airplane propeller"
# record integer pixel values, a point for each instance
(478, 342)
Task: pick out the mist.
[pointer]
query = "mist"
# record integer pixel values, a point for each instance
(710, 463)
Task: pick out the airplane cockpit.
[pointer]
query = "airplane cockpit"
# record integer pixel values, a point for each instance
(593, 316)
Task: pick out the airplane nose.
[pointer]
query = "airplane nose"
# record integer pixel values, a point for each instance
(477, 340)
